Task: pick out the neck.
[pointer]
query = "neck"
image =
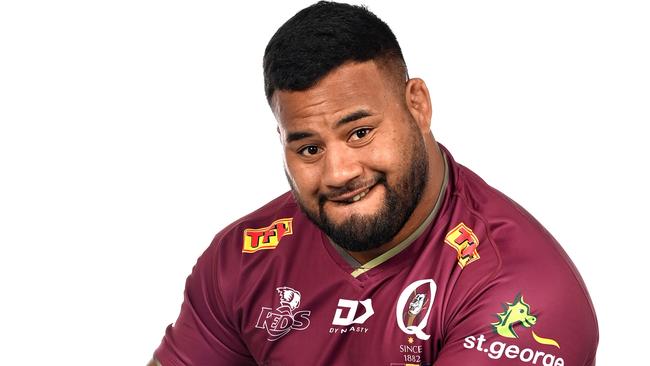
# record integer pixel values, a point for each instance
(422, 210)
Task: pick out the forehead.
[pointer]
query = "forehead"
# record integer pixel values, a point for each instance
(350, 87)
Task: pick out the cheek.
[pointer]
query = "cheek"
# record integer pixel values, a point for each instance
(305, 179)
(388, 154)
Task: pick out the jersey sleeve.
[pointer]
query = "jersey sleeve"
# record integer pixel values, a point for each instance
(530, 309)
(204, 333)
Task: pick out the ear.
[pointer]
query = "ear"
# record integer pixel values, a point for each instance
(418, 103)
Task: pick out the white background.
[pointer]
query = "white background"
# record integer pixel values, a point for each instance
(132, 131)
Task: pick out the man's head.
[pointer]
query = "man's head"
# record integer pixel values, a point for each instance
(322, 37)
(354, 129)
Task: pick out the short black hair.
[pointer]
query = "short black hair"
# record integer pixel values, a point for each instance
(322, 37)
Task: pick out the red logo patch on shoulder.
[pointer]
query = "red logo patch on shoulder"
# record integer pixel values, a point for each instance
(462, 239)
(267, 237)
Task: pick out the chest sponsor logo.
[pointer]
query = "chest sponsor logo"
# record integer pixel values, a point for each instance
(414, 307)
(465, 242)
(351, 312)
(516, 314)
(267, 237)
(284, 318)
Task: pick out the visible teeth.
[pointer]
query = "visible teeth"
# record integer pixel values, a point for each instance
(359, 196)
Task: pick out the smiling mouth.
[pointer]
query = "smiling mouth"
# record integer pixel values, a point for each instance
(351, 197)
(360, 195)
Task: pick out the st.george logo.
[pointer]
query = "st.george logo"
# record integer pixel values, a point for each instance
(281, 321)
(514, 313)
(267, 237)
(415, 298)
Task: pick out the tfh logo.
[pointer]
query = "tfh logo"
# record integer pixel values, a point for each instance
(279, 322)
(267, 237)
(352, 306)
(463, 239)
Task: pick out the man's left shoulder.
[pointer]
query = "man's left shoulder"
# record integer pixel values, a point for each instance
(502, 222)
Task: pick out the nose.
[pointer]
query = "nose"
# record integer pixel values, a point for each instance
(341, 166)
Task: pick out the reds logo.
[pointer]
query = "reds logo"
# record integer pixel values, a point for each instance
(465, 242)
(279, 322)
(267, 237)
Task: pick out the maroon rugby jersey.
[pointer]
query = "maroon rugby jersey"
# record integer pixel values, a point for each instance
(481, 282)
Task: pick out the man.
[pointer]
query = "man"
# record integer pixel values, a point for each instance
(386, 251)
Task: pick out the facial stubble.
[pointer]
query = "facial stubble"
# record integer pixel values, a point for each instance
(360, 233)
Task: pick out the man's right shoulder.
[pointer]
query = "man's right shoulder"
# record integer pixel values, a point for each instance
(259, 230)
(242, 252)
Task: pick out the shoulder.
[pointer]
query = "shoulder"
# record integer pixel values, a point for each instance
(517, 262)
(519, 248)
(259, 230)
(242, 249)
(209, 325)
(509, 233)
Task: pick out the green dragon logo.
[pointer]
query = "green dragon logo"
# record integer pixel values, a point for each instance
(518, 312)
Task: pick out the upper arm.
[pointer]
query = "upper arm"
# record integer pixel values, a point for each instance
(549, 329)
(492, 336)
(204, 332)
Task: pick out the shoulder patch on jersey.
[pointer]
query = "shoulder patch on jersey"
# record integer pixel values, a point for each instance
(267, 237)
(465, 242)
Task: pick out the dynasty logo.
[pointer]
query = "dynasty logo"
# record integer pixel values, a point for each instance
(346, 323)
(281, 321)
(463, 240)
(351, 317)
(267, 237)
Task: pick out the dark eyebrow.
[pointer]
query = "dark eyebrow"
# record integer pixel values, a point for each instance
(352, 117)
(295, 136)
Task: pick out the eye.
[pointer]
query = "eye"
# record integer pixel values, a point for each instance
(360, 133)
(310, 150)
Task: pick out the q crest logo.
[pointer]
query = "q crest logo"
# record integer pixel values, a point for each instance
(267, 237)
(465, 242)
(414, 307)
